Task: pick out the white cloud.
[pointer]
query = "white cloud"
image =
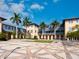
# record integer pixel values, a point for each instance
(3, 6)
(4, 9)
(25, 14)
(17, 8)
(55, 1)
(2, 1)
(37, 6)
(22, 1)
(5, 14)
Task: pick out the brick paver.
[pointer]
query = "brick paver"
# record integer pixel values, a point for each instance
(33, 50)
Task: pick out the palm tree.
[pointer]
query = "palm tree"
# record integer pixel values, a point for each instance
(54, 24)
(16, 19)
(26, 21)
(42, 25)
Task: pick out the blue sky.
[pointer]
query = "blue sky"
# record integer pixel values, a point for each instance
(40, 10)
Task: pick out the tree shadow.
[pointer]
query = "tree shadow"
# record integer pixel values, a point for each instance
(68, 56)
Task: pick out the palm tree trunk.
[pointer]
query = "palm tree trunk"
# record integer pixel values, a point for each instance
(16, 32)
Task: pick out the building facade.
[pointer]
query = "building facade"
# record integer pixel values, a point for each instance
(50, 33)
(69, 24)
(33, 30)
(10, 30)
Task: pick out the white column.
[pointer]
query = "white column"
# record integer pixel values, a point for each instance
(45, 37)
(72, 39)
(67, 39)
(0, 27)
(16, 36)
(48, 37)
(11, 36)
(42, 36)
(23, 36)
(51, 37)
(39, 37)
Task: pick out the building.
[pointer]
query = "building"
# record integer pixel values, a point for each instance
(50, 33)
(61, 31)
(69, 24)
(33, 30)
(10, 30)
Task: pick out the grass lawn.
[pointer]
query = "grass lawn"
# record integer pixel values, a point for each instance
(43, 41)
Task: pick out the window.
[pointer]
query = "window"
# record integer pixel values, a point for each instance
(28, 30)
(35, 31)
(14, 28)
(77, 21)
(70, 29)
(6, 26)
(9, 27)
(70, 21)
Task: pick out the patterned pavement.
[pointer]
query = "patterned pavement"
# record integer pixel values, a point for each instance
(18, 49)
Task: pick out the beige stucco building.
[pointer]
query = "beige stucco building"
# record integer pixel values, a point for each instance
(33, 30)
(69, 24)
(1, 19)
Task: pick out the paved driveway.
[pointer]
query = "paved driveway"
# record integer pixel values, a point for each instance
(19, 49)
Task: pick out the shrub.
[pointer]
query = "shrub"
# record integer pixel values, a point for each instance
(74, 34)
(2, 36)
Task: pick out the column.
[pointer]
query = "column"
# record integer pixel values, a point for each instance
(0, 27)
(23, 36)
(67, 39)
(16, 36)
(38, 37)
(11, 36)
(51, 37)
(48, 37)
(41, 36)
(45, 37)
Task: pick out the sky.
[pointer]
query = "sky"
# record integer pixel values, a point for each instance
(40, 10)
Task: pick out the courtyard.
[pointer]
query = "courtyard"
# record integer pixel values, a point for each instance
(26, 49)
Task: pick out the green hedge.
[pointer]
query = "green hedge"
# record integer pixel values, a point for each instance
(74, 34)
(2, 37)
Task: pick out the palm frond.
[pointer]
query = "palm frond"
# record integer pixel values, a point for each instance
(11, 18)
(26, 21)
(16, 18)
